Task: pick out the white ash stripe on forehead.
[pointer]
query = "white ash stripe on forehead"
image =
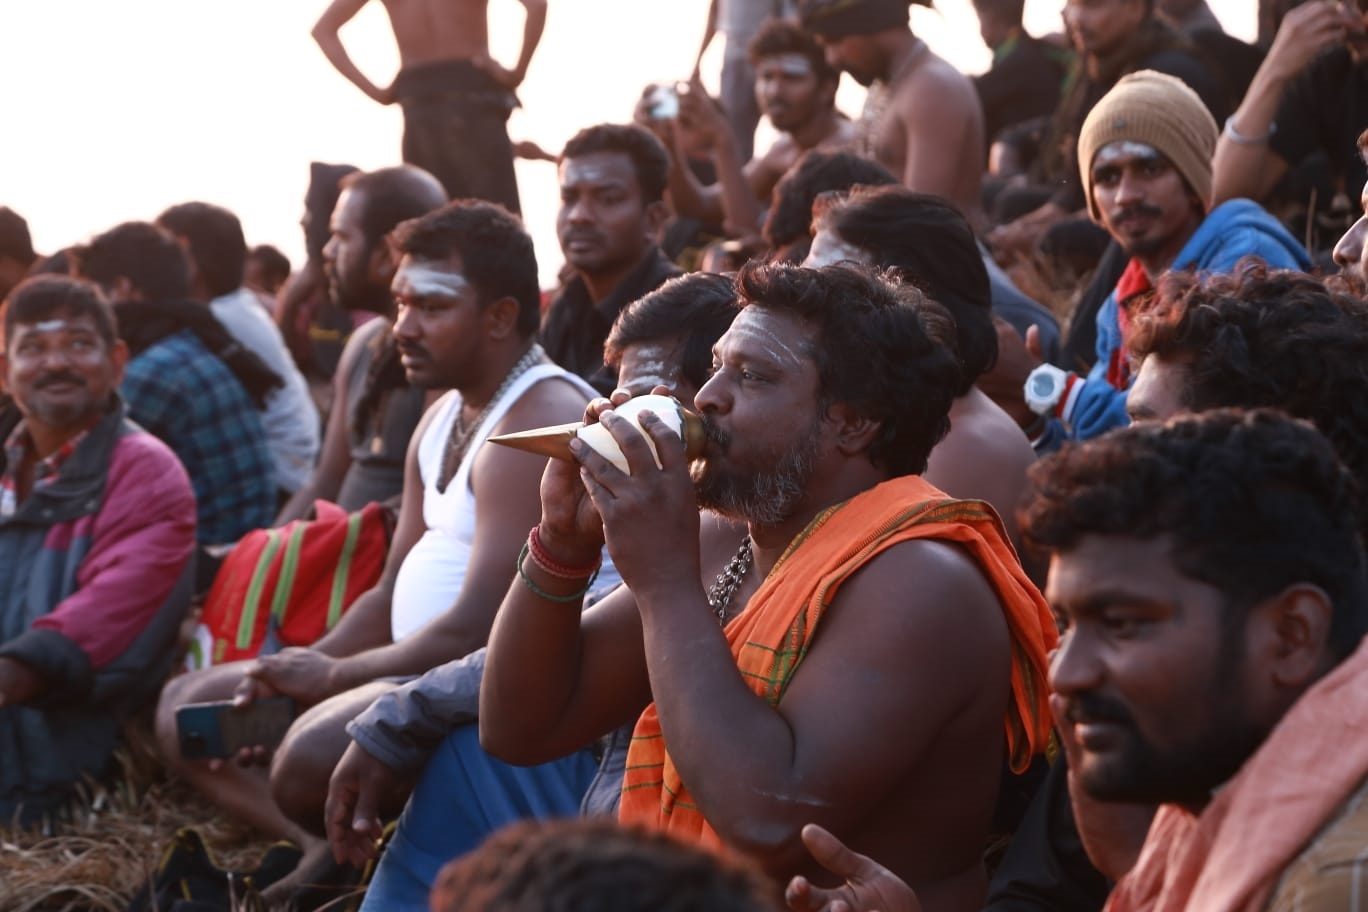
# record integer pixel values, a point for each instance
(792, 64)
(828, 249)
(422, 280)
(767, 341)
(1124, 148)
(574, 170)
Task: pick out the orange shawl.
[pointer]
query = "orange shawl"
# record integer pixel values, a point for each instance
(1229, 858)
(772, 634)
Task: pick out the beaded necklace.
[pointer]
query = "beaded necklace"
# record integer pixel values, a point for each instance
(461, 433)
(721, 592)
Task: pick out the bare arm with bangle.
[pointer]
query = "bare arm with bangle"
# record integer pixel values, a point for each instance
(1244, 164)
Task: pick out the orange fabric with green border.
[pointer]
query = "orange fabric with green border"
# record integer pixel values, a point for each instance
(772, 635)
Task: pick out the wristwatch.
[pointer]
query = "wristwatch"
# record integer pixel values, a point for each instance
(1045, 386)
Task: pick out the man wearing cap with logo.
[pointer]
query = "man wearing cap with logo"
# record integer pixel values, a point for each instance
(1144, 155)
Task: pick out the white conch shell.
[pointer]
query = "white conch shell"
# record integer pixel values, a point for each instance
(597, 436)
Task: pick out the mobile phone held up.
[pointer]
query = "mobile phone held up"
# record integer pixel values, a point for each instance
(663, 102)
(220, 730)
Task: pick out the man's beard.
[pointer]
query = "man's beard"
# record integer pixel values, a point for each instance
(1185, 773)
(765, 498)
(354, 294)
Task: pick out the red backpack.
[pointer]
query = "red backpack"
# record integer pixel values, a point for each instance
(290, 584)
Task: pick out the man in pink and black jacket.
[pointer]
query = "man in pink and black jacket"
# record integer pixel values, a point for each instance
(97, 527)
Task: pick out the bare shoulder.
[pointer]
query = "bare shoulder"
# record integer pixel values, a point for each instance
(921, 611)
(430, 413)
(845, 136)
(922, 581)
(936, 85)
(776, 160)
(554, 400)
(978, 425)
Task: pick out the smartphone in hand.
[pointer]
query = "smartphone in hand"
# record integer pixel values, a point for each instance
(220, 730)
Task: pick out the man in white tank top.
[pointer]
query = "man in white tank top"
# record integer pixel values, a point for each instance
(467, 295)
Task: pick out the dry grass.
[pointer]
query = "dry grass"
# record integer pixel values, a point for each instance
(98, 858)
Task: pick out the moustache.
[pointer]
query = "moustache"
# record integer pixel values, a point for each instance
(1089, 707)
(59, 377)
(1139, 209)
(715, 434)
(411, 349)
(571, 236)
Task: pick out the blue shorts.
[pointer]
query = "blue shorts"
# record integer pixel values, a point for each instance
(464, 795)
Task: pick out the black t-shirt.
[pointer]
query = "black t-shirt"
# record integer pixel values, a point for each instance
(574, 327)
(1024, 83)
(1323, 111)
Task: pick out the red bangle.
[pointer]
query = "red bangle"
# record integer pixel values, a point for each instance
(552, 567)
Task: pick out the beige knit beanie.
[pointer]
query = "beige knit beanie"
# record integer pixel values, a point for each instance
(1160, 111)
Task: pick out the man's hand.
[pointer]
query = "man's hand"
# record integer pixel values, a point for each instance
(305, 674)
(509, 79)
(531, 151)
(1305, 32)
(649, 512)
(868, 887)
(18, 682)
(1016, 359)
(703, 116)
(570, 525)
(359, 786)
(298, 672)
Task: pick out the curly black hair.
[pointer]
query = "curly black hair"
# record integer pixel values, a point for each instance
(790, 214)
(1270, 338)
(930, 244)
(1253, 502)
(595, 865)
(696, 307)
(881, 347)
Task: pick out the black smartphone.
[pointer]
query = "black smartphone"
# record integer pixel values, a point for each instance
(209, 730)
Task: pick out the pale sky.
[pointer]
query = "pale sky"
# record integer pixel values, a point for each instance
(116, 109)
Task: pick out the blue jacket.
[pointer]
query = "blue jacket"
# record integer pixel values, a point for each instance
(1230, 232)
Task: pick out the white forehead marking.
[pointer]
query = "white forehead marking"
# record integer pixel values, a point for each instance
(424, 280)
(594, 171)
(1124, 148)
(651, 366)
(648, 381)
(766, 340)
(47, 326)
(828, 249)
(791, 64)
